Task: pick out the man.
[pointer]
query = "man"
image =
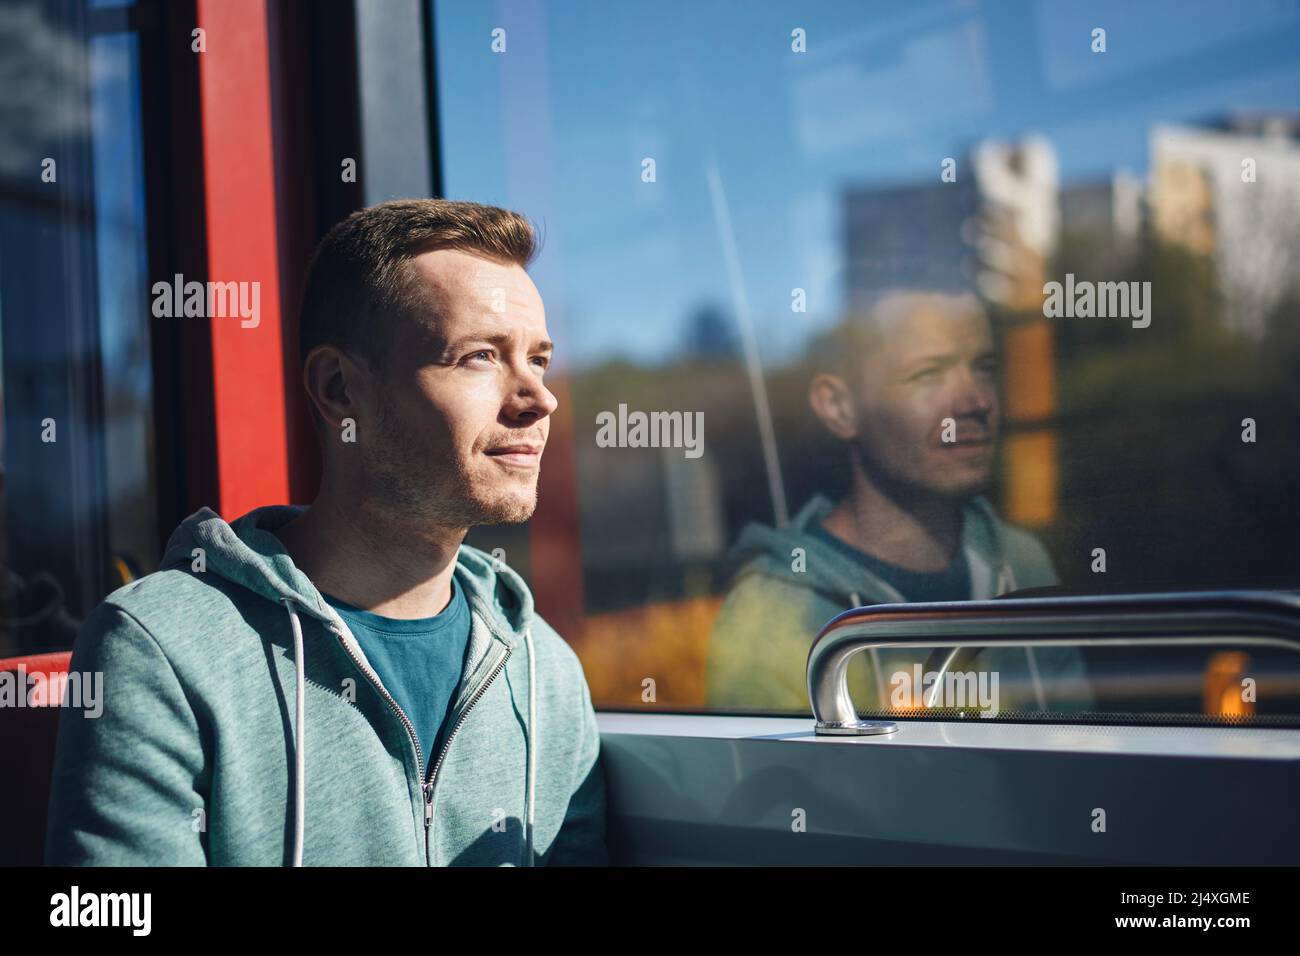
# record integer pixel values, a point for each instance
(913, 396)
(348, 683)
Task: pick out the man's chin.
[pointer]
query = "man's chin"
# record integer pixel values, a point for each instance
(507, 510)
(510, 516)
(960, 483)
(962, 490)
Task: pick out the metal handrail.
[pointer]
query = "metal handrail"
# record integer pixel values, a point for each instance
(1269, 618)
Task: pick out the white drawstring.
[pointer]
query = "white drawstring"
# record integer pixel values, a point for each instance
(1007, 582)
(530, 744)
(300, 763)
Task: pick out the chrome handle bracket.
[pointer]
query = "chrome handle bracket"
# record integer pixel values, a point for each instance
(1269, 618)
(856, 728)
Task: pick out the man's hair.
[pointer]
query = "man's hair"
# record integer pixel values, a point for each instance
(842, 349)
(361, 284)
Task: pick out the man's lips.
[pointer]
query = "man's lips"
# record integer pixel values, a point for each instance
(968, 446)
(522, 454)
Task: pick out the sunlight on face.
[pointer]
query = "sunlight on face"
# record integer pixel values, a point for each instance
(464, 414)
(932, 361)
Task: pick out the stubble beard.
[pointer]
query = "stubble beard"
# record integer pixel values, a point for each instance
(447, 495)
(908, 488)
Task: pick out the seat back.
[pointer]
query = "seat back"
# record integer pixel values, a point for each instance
(27, 735)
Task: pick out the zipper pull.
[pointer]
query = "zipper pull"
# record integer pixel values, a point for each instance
(428, 805)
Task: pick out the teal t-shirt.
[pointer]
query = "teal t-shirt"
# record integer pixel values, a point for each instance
(419, 661)
(950, 584)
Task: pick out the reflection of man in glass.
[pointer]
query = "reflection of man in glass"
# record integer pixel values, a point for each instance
(911, 389)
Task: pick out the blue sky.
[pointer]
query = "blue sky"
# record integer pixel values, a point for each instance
(558, 125)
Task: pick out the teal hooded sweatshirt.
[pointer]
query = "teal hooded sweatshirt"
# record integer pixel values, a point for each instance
(791, 583)
(243, 726)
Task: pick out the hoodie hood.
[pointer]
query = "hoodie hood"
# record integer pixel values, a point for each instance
(247, 553)
(766, 550)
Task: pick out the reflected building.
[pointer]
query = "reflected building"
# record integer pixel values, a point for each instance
(907, 236)
(1110, 210)
(921, 235)
(1230, 190)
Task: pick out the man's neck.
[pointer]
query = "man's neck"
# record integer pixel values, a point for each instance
(372, 560)
(916, 532)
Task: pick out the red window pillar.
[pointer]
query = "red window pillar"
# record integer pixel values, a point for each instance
(239, 191)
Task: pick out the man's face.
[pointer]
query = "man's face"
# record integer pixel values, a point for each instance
(462, 415)
(932, 363)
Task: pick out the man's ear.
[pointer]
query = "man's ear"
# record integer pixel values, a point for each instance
(832, 402)
(333, 380)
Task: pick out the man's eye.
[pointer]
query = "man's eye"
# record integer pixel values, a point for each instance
(542, 360)
(926, 375)
(485, 353)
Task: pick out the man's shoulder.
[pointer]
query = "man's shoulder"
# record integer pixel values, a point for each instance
(1023, 550)
(554, 652)
(769, 602)
(762, 576)
(176, 607)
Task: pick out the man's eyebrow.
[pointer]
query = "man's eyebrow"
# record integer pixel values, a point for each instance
(496, 338)
(938, 358)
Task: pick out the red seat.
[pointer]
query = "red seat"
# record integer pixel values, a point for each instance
(27, 736)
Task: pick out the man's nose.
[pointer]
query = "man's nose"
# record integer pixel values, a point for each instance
(532, 399)
(974, 396)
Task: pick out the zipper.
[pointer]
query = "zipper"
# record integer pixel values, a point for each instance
(426, 785)
(410, 727)
(433, 771)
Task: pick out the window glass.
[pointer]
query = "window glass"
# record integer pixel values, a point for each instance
(124, 309)
(78, 500)
(860, 303)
